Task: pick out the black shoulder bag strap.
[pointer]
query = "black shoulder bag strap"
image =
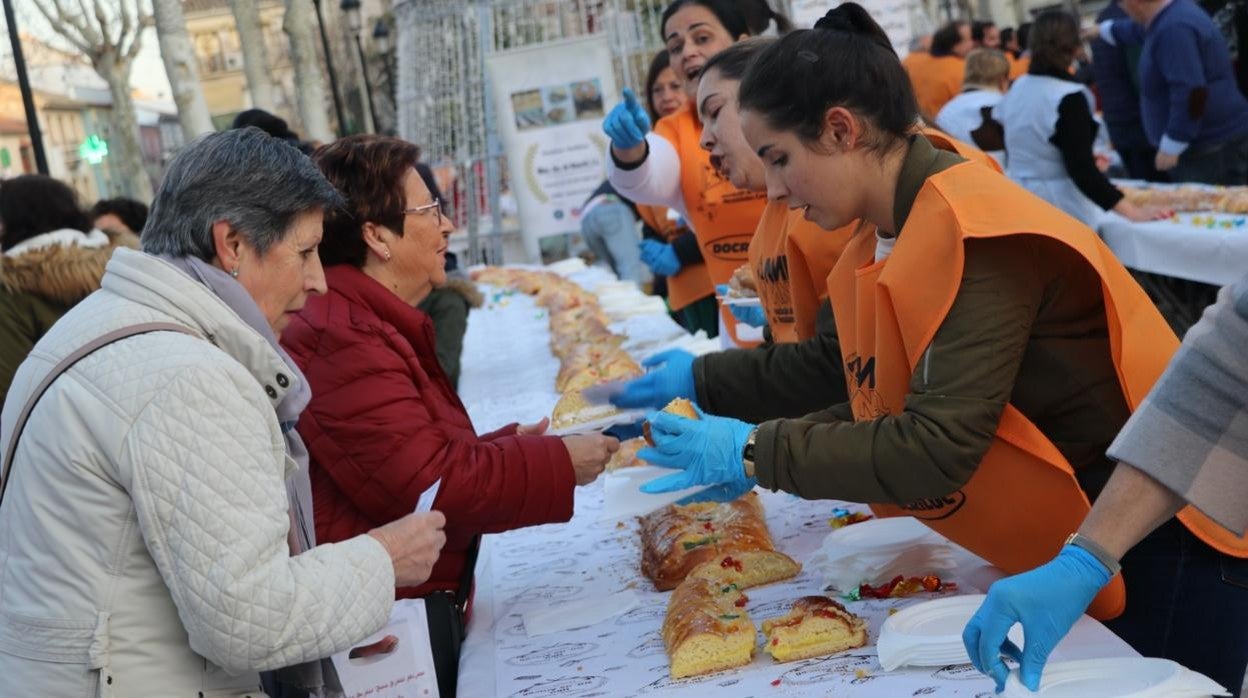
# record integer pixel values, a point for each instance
(64, 365)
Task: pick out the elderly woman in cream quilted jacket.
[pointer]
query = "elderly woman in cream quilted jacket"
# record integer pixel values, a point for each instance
(152, 524)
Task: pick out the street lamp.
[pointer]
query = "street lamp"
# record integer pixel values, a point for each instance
(329, 67)
(28, 98)
(351, 8)
(381, 40)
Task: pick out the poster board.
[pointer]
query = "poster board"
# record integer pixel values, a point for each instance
(550, 100)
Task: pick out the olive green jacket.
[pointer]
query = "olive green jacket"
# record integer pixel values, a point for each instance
(448, 307)
(1027, 327)
(37, 287)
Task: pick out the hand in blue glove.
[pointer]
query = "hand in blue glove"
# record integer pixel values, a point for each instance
(751, 315)
(627, 123)
(708, 450)
(1047, 601)
(672, 379)
(660, 257)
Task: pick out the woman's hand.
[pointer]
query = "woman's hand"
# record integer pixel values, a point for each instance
(536, 429)
(627, 125)
(1142, 214)
(414, 543)
(589, 454)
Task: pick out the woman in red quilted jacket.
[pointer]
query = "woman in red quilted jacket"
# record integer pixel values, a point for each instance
(384, 423)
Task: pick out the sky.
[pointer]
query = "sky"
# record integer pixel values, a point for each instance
(148, 74)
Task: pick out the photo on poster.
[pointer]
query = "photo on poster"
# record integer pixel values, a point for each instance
(528, 108)
(587, 97)
(558, 105)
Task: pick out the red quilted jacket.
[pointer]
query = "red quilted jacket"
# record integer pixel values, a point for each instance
(384, 424)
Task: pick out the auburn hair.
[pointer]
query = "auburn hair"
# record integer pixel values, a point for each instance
(368, 171)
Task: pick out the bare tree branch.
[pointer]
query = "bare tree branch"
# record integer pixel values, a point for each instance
(123, 35)
(62, 22)
(82, 22)
(102, 17)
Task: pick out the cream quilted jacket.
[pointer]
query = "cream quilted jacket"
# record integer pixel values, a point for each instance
(143, 537)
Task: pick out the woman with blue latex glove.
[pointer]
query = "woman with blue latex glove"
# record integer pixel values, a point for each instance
(670, 168)
(660, 257)
(672, 378)
(951, 338)
(708, 450)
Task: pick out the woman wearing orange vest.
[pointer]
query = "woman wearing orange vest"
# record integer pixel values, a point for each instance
(993, 346)
(665, 94)
(669, 168)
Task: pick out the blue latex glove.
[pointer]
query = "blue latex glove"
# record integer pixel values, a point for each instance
(660, 257)
(627, 123)
(1047, 601)
(751, 315)
(672, 378)
(708, 450)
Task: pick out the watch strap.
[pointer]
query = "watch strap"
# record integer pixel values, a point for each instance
(1101, 554)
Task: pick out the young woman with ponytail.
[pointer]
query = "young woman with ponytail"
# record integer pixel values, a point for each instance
(669, 168)
(992, 346)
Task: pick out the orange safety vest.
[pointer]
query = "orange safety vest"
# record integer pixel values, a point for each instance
(935, 80)
(722, 216)
(1018, 66)
(1023, 499)
(769, 261)
(813, 251)
(656, 218)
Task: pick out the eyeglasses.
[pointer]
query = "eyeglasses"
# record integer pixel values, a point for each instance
(422, 210)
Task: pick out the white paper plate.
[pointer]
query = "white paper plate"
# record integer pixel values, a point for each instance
(593, 425)
(622, 498)
(1118, 677)
(930, 633)
(880, 534)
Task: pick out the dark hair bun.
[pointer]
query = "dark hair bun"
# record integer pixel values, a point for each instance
(852, 18)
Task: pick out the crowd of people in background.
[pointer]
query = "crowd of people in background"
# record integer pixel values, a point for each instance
(253, 382)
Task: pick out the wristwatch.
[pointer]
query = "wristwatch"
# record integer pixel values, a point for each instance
(1101, 554)
(747, 454)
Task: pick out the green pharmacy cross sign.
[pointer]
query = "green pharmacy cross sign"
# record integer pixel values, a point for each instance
(93, 150)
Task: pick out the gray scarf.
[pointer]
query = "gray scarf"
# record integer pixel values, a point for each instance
(309, 676)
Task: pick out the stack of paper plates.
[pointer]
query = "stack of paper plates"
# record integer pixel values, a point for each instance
(930, 634)
(1118, 677)
(873, 552)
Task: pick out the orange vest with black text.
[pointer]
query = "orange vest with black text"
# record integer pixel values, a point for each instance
(1023, 500)
(722, 216)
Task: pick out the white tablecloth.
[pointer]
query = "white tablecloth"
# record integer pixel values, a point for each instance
(1206, 247)
(508, 374)
(1216, 255)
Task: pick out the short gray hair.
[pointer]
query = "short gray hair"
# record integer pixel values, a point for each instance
(245, 176)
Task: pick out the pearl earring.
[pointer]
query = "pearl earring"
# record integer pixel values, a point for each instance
(234, 273)
(387, 255)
